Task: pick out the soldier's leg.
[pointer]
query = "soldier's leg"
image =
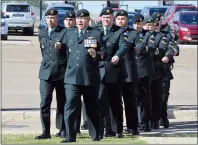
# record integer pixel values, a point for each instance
(46, 90)
(145, 85)
(78, 121)
(61, 100)
(85, 125)
(90, 97)
(102, 106)
(72, 110)
(166, 93)
(156, 91)
(130, 103)
(116, 108)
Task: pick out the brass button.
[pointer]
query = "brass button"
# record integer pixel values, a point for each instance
(50, 54)
(51, 61)
(77, 64)
(77, 57)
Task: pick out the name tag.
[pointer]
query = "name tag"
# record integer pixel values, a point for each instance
(90, 43)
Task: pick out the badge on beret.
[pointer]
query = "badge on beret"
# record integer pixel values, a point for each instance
(108, 11)
(158, 14)
(121, 12)
(81, 14)
(140, 19)
(52, 12)
(70, 14)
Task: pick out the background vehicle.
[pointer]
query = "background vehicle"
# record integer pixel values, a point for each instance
(176, 8)
(21, 16)
(186, 25)
(4, 27)
(149, 10)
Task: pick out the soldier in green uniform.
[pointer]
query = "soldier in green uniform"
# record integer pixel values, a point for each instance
(113, 71)
(130, 84)
(161, 57)
(172, 37)
(51, 74)
(82, 75)
(138, 40)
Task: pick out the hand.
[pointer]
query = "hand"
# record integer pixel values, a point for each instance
(92, 52)
(57, 45)
(165, 59)
(115, 59)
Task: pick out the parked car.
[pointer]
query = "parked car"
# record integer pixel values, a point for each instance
(149, 10)
(4, 27)
(186, 25)
(169, 15)
(21, 16)
(130, 18)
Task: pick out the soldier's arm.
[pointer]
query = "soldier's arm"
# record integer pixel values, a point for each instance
(122, 44)
(175, 47)
(164, 44)
(100, 51)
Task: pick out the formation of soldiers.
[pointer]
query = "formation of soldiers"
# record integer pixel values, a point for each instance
(105, 64)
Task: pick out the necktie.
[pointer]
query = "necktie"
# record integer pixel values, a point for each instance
(50, 32)
(80, 34)
(106, 31)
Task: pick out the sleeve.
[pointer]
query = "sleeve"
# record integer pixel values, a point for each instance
(101, 50)
(122, 44)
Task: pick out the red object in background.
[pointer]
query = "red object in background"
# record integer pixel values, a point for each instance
(186, 25)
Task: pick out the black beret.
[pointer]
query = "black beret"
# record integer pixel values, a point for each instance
(156, 16)
(148, 19)
(51, 11)
(121, 13)
(138, 18)
(106, 11)
(82, 13)
(69, 15)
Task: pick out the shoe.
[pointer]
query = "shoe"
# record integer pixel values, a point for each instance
(67, 141)
(164, 122)
(128, 131)
(43, 136)
(61, 134)
(135, 132)
(155, 125)
(119, 135)
(147, 126)
(96, 139)
(84, 126)
(110, 134)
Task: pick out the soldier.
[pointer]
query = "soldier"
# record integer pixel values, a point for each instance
(144, 68)
(162, 56)
(82, 75)
(172, 37)
(69, 20)
(130, 84)
(51, 74)
(113, 71)
(69, 23)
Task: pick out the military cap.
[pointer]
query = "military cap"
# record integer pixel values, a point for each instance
(51, 11)
(121, 13)
(148, 19)
(82, 13)
(138, 18)
(156, 16)
(69, 15)
(106, 11)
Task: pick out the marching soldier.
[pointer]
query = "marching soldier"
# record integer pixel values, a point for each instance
(145, 69)
(161, 57)
(130, 84)
(82, 75)
(51, 74)
(172, 37)
(113, 71)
